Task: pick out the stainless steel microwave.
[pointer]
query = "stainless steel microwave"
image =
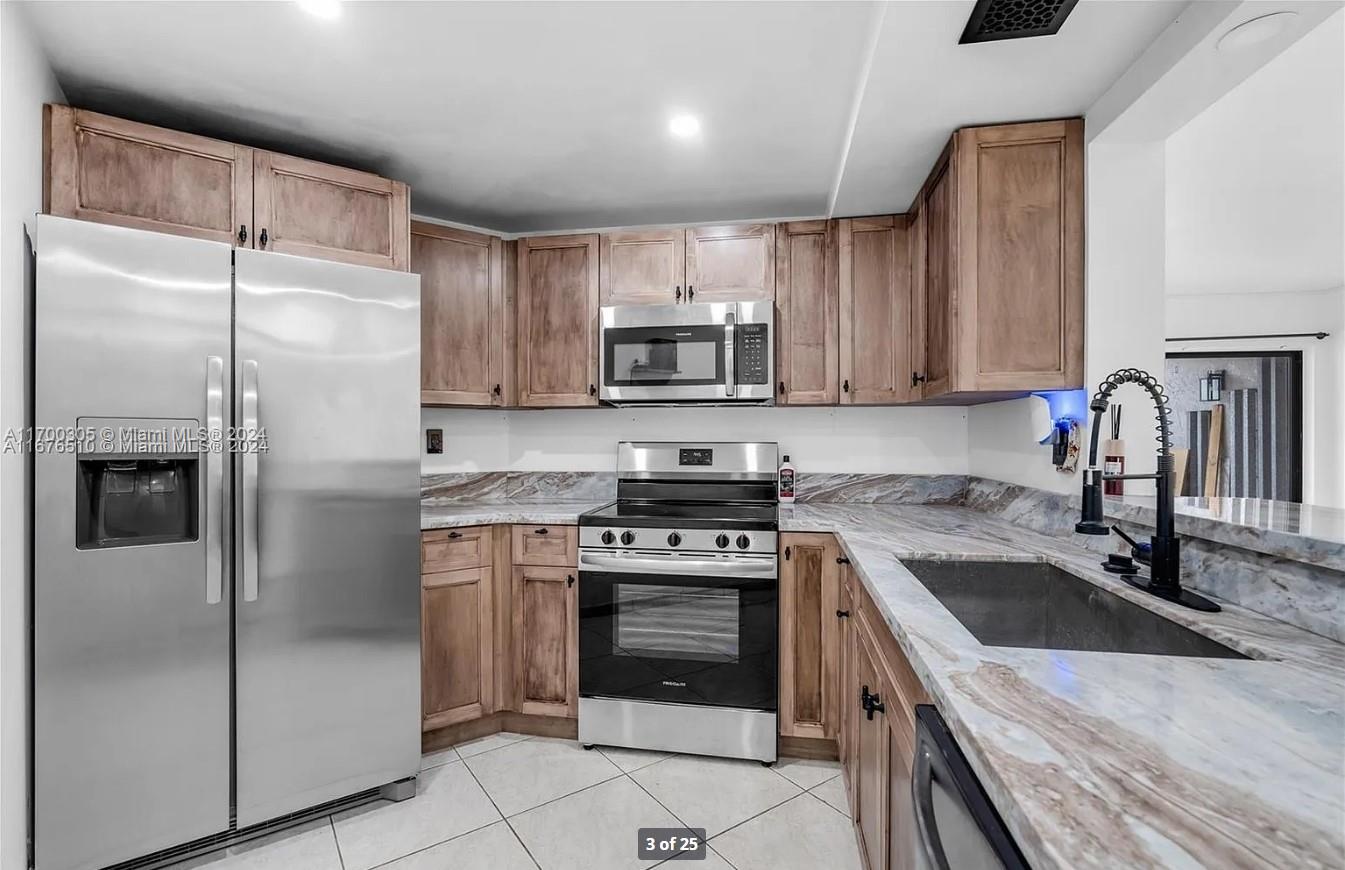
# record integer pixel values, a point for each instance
(704, 352)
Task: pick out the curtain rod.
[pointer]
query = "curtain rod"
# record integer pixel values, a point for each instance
(1317, 335)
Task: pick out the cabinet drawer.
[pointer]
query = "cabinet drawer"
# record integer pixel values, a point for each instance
(451, 549)
(546, 545)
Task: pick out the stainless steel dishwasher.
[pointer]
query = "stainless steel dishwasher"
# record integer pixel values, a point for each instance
(956, 826)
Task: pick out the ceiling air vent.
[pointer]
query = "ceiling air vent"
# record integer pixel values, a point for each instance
(1015, 19)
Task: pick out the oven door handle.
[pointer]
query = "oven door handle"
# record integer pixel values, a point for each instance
(740, 566)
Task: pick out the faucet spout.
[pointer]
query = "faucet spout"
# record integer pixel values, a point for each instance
(1164, 578)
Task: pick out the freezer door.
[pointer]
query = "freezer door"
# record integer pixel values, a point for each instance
(131, 621)
(328, 518)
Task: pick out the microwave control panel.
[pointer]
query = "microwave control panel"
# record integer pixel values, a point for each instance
(752, 353)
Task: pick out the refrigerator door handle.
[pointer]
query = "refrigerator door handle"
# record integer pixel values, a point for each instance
(248, 496)
(214, 480)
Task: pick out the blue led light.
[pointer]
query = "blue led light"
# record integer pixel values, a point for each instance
(1067, 404)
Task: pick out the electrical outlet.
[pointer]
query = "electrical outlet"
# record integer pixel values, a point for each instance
(434, 440)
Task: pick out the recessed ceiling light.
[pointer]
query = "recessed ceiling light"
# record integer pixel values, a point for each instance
(321, 8)
(684, 126)
(1256, 31)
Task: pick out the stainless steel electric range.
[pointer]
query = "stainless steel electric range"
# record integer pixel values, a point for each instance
(678, 602)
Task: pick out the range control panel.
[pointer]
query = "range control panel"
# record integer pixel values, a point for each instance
(752, 353)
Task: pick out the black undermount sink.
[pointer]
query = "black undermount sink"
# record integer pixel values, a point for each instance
(1036, 605)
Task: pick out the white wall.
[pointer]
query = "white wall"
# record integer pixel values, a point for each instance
(1323, 364)
(870, 440)
(26, 82)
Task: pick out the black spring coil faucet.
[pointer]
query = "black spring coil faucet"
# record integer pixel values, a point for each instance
(1164, 578)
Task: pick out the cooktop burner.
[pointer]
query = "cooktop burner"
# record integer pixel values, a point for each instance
(684, 515)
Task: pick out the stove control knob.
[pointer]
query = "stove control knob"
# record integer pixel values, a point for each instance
(744, 542)
(627, 538)
(608, 538)
(722, 541)
(674, 539)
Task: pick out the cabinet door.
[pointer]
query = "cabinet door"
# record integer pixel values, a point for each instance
(331, 213)
(936, 293)
(730, 263)
(809, 589)
(871, 787)
(463, 318)
(806, 313)
(456, 647)
(1019, 217)
(901, 833)
(840, 710)
(557, 321)
(104, 169)
(546, 641)
(642, 267)
(875, 298)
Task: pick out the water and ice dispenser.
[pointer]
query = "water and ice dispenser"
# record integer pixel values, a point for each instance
(133, 497)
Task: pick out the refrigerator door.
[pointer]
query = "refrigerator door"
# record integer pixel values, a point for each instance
(131, 619)
(327, 360)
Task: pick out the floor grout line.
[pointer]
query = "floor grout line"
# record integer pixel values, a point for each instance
(758, 815)
(331, 821)
(503, 817)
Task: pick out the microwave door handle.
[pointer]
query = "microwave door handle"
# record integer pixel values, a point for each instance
(730, 374)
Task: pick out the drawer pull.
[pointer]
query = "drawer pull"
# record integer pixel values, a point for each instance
(455, 534)
(541, 531)
(842, 614)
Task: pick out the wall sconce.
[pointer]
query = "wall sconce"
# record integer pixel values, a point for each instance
(1211, 386)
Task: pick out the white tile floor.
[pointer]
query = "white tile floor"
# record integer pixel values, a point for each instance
(510, 802)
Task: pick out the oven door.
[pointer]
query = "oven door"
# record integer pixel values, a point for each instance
(678, 629)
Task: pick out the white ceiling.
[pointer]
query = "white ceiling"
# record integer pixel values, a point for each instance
(1256, 183)
(531, 117)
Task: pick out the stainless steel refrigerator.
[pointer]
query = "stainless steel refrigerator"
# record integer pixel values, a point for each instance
(220, 639)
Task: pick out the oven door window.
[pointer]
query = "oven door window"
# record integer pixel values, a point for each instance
(664, 356)
(676, 622)
(678, 639)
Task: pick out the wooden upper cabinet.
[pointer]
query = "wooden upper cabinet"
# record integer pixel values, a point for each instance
(466, 321)
(546, 641)
(809, 635)
(876, 305)
(642, 267)
(112, 171)
(557, 321)
(806, 313)
(329, 212)
(1002, 286)
(730, 263)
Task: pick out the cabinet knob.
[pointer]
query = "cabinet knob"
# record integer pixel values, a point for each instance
(592, 390)
(845, 386)
(569, 579)
(841, 560)
(677, 293)
(842, 614)
(242, 234)
(917, 379)
(496, 391)
(691, 292)
(263, 238)
(782, 388)
(788, 551)
(870, 703)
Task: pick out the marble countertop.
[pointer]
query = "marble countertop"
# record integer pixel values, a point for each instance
(1302, 532)
(450, 513)
(1107, 760)
(1097, 759)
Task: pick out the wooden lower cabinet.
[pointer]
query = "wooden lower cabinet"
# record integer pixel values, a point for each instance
(499, 627)
(879, 739)
(457, 649)
(546, 641)
(809, 636)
